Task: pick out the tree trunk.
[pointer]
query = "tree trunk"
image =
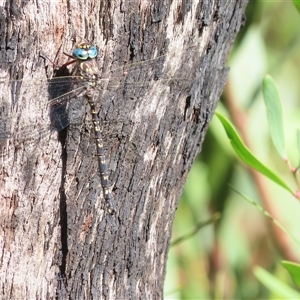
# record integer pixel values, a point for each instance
(57, 239)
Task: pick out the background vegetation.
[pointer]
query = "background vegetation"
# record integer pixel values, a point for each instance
(220, 260)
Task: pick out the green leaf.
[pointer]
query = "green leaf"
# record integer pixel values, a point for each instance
(275, 285)
(297, 4)
(274, 114)
(294, 270)
(246, 155)
(266, 213)
(198, 226)
(298, 143)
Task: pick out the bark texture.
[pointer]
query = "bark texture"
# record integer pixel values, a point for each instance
(57, 240)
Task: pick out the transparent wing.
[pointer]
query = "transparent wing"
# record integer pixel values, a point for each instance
(22, 119)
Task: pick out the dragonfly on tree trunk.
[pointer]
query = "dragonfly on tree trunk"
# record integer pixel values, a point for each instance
(85, 80)
(87, 71)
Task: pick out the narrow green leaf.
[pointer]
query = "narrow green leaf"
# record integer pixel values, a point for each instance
(293, 269)
(198, 226)
(246, 155)
(275, 285)
(266, 213)
(274, 114)
(297, 4)
(298, 143)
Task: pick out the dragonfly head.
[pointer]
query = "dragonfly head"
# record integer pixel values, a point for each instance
(85, 51)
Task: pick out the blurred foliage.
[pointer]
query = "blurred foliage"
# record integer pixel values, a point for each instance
(225, 260)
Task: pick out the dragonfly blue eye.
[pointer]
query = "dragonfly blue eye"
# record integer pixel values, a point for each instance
(80, 53)
(83, 54)
(92, 52)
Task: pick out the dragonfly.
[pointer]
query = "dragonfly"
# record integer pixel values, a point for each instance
(87, 72)
(86, 81)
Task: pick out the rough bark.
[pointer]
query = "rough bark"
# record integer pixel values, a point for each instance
(56, 238)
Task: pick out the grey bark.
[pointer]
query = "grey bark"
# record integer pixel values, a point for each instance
(57, 240)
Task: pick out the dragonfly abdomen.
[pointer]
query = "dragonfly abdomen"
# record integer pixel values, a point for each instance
(103, 169)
